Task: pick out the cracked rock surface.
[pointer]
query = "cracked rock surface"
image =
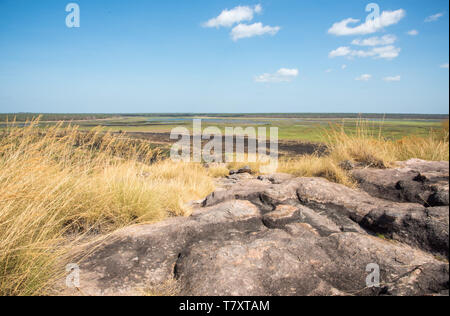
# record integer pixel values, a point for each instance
(280, 235)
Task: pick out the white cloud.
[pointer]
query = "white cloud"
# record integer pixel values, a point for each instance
(393, 78)
(375, 41)
(344, 67)
(444, 66)
(434, 17)
(329, 70)
(256, 29)
(383, 52)
(386, 19)
(413, 32)
(230, 17)
(282, 75)
(239, 15)
(365, 77)
(339, 52)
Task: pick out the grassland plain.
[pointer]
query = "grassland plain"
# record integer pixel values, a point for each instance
(62, 184)
(307, 127)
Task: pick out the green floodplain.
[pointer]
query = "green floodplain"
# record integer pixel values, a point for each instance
(307, 127)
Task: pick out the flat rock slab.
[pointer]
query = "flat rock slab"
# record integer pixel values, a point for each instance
(415, 181)
(279, 235)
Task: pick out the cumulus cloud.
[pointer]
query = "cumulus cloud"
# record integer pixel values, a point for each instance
(339, 52)
(344, 66)
(434, 17)
(393, 78)
(376, 41)
(386, 19)
(227, 18)
(444, 66)
(240, 15)
(365, 77)
(282, 75)
(413, 32)
(256, 29)
(329, 70)
(383, 52)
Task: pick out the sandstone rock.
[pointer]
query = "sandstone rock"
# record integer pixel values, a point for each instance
(229, 251)
(425, 166)
(351, 210)
(240, 176)
(138, 257)
(405, 222)
(279, 235)
(415, 181)
(287, 214)
(245, 169)
(276, 178)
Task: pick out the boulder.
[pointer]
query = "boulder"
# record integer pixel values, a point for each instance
(245, 169)
(414, 181)
(410, 223)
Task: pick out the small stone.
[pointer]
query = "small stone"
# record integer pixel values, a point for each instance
(245, 169)
(347, 165)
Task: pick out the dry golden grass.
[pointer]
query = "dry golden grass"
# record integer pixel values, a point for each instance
(373, 150)
(314, 166)
(444, 133)
(58, 182)
(218, 170)
(368, 149)
(364, 146)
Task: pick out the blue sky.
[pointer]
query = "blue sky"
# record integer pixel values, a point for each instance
(184, 56)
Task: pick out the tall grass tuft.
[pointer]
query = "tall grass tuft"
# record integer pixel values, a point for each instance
(367, 147)
(315, 166)
(373, 150)
(57, 183)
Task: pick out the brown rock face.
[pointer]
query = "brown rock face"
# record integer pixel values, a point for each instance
(415, 181)
(278, 235)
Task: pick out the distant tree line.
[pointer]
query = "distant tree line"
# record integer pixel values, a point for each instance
(22, 117)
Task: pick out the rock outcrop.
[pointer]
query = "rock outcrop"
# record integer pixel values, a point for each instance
(280, 235)
(414, 181)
